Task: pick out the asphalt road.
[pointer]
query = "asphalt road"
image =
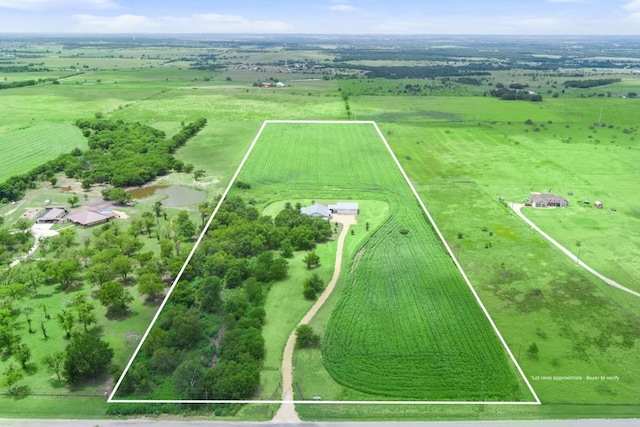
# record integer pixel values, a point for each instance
(179, 423)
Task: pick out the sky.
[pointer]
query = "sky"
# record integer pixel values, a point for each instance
(499, 17)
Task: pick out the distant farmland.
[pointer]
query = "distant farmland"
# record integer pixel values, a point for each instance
(25, 149)
(406, 325)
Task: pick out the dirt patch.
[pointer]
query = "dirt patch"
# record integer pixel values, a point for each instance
(31, 213)
(120, 214)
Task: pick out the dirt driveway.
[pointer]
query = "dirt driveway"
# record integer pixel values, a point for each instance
(287, 412)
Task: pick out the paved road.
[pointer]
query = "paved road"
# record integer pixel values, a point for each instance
(182, 423)
(517, 207)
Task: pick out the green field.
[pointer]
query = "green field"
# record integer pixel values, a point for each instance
(27, 148)
(461, 150)
(406, 324)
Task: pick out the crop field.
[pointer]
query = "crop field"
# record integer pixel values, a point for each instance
(406, 325)
(24, 149)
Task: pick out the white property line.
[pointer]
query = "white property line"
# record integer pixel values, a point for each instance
(325, 402)
(184, 266)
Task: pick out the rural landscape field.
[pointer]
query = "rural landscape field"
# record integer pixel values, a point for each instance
(133, 143)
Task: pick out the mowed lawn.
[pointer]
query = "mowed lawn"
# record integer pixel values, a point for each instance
(406, 325)
(24, 149)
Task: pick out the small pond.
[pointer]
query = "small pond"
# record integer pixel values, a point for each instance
(177, 195)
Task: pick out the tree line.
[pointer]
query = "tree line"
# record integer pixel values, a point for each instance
(121, 154)
(585, 84)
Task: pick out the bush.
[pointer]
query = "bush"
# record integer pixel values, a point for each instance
(306, 337)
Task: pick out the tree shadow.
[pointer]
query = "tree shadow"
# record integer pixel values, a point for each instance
(30, 368)
(20, 392)
(57, 383)
(119, 315)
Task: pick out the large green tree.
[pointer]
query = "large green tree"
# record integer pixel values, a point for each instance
(115, 297)
(85, 356)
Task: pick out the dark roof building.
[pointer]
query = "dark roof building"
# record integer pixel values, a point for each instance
(51, 215)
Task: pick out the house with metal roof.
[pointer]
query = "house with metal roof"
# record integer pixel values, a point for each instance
(316, 210)
(51, 215)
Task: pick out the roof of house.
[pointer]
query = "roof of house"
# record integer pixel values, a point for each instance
(87, 217)
(52, 213)
(545, 198)
(316, 209)
(344, 206)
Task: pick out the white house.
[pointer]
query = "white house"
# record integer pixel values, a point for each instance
(317, 210)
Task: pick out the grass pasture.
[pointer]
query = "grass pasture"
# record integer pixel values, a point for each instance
(371, 344)
(534, 293)
(24, 149)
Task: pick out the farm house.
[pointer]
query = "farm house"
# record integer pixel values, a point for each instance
(547, 200)
(345, 208)
(598, 204)
(316, 210)
(88, 218)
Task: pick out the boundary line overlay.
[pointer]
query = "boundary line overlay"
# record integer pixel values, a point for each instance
(322, 402)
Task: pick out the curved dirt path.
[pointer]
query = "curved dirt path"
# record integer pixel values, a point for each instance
(39, 231)
(287, 412)
(517, 207)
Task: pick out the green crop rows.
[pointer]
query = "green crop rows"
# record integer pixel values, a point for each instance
(406, 325)
(24, 149)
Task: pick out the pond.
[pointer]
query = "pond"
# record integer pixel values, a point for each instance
(177, 195)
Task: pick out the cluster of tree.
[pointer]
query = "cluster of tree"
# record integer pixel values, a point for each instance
(468, 81)
(208, 342)
(100, 269)
(306, 337)
(121, 154)
(424, 72)
(508, 94)
(312, 286)
(585, 84)
(23, 83)
(16, 240)
(126, 154)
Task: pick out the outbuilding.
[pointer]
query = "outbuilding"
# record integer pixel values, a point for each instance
(51, 215)
(598, 204)
(345, 208)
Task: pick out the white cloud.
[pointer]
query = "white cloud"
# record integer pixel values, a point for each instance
(342, 8)
(568, 1)
(234, 23)
(56, 4)
(632, 6)
(196, 23)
